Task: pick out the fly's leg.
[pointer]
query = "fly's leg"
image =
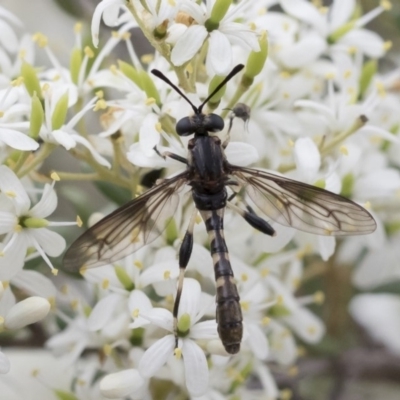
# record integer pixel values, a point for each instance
(185, 252)
(253, 219)
(174, 156)
(241, 111)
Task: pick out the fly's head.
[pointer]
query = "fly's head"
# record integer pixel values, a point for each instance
(199, 124)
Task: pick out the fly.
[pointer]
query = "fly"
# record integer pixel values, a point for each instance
(209, 174)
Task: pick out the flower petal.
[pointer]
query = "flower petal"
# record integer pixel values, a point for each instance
(46, 205)
(121, 384)
(156, 356)
(219, 55)
(242, 154)
(196, 369)
(103, 311)
(4, 363)
(188, 45)
(51, 242)
(17, 140)
(307, 158)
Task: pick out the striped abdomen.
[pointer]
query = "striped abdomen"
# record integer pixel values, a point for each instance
(229, 313)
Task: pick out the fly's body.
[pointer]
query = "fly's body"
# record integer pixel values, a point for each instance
(210, 176)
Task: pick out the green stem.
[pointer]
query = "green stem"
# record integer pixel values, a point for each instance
(21, 160)
(43, 153)
(70, 176)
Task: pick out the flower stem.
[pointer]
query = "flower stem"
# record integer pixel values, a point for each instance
(43, 153)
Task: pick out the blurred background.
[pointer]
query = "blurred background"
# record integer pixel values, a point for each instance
(347, 364)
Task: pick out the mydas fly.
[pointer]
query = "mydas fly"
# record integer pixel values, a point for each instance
(209, 174)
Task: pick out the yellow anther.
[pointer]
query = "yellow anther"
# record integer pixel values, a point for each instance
(387, 45)
(17, 82)
(279, 300)
(245, 305)
(323, 10)
(244, 277)
(81, 382)
(150, 101)
(347, 74)
(1, 320)
(107, 349)
(105, 283)
(52, 301)
(352, 50)
(252, 26)
(319, 297)
(79, 222)
(114, 69)
(35, 372)
(135, 235)
(301, 351)
(147, 58)
(99, 94)
(54, 271)
(45, 87)
(286, 95)
(265, 272)
(88, 52)
(115, 34)
(55, 176)
(22, 54)
(293, 371)
(10, 193)
(158, 127)
(1, 114)
(343, 149)
(266, 321)
(17, 228)
(172, 3)
(78, 27)
(381, 89)
(126, 36)
(290, 143)
(40, 39)
(74, 304)
(285, 75)
(64, 289)
(198, 219)
(100, 105)
(138, 264)
(330, 76)
(83, 269)
(167, 274)
(312, 330)
(56, 78)
(386, 5)
(367, 205)
(286, 394)
(135, 313)
(262, 11)
(178, 353)
(317, 3)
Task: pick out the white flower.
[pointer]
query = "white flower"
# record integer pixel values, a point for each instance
(379, 314)
(121, 384)
(191, 308)
(24, 226)
(219, 56)
(4, 363)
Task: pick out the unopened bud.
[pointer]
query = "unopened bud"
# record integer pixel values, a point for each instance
(121, 384)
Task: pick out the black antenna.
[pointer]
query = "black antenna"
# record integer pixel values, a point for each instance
(160, 75)
(231, 74)
(197, 110)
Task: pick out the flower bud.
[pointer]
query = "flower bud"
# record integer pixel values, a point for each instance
(37, 116)
(75, 64)
(27, 312)
(31, 80)
(255, 62)
(121, 384)
(124, 278)
(218, 12)
(60, 112)
(184, 323)
(368, 71)
(215, 100)
(35, 223)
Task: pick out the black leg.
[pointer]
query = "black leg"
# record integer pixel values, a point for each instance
(170, 155)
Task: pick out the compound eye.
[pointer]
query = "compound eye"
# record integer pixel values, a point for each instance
(213, 123)
(184, 127)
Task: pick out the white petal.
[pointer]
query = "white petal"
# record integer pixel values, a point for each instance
(26, 312)
(195, 11)
(101, 160)
(305, 51)
(379, 183)
(157, 272)
(46, 205)
(305, 11)
(258, 341)
(370, 43)
(242, 154)
(96, 19)
(103, 311)
(379, 314)
(11, 186)
(156, 356)
(326, 246)
(340, 12)
(196, 368)
(8, 38)
(60, 137)
(121, 384)
(188, 45)
(219, 53)
(161, 317)
(239, 35)
(4, 363)
(189, 303)
(307, 158)
(35, 283)
(148, 135)
(17, 140)
(139, 303)
(51, 242)
(7, 222)
(13, 259)
(204, 330)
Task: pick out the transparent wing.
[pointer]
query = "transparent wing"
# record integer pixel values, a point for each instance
(126, 229)
(303, 206)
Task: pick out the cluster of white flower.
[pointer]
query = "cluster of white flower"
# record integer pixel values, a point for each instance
(321, 113)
